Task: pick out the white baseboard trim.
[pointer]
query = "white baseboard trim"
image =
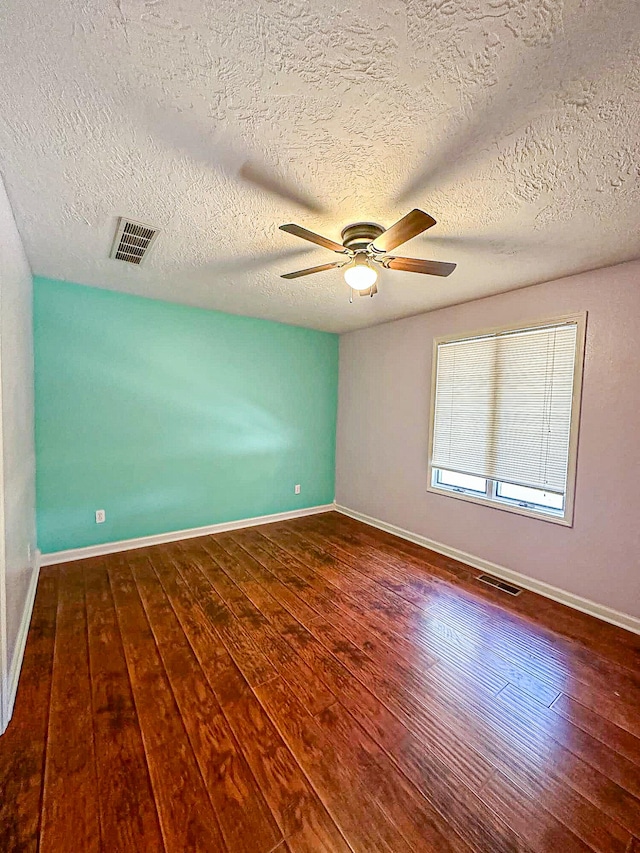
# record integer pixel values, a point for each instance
(607, 614)
(21, 641)
(55, 557)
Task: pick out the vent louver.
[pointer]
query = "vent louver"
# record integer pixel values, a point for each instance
(501, 585)
(132, 241)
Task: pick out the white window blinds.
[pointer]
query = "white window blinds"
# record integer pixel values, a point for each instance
(503, 406)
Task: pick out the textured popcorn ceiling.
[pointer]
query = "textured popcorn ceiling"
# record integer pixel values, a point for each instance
(516, 123)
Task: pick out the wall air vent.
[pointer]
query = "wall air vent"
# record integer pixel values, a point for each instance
(132, 241)
(501, 585)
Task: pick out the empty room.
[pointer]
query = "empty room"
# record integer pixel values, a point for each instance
(319, 426)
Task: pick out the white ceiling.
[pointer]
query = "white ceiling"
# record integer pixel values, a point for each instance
(516, 123)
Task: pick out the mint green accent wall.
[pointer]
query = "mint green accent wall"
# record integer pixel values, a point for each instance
(169, 417)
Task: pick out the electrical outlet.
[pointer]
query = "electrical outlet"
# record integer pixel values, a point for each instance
(100, 516)
(296, 489)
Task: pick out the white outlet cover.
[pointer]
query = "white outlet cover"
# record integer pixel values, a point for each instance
(296, 489)
(100, 516)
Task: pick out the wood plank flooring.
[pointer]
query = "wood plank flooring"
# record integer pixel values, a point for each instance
(315, 685)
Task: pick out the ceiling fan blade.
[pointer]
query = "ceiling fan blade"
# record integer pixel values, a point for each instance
(404, 229)
(250, 262)
(260, 178)
(419, 265)
(311, 270)
(299, 231)
(209, 144)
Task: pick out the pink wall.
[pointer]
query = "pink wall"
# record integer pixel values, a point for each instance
(383, 411)
(17, 450)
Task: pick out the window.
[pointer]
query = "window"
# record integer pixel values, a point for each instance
(504, 424)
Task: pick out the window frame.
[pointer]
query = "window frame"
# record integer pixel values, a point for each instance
(490, 498)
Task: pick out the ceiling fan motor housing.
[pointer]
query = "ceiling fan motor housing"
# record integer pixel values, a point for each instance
(358, 236)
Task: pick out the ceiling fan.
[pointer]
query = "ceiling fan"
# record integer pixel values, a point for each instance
(366, 245)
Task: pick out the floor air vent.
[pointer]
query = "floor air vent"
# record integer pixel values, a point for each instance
(132, 241)
(501, 585)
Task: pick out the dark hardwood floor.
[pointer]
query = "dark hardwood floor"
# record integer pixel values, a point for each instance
(315, 685)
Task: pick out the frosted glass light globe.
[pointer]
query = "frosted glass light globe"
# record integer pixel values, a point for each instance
(360, 277)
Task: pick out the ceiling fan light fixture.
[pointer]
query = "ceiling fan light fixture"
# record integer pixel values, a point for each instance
(359, 275)
(367, 245)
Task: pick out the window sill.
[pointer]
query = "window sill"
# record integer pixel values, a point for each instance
(565, 520)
